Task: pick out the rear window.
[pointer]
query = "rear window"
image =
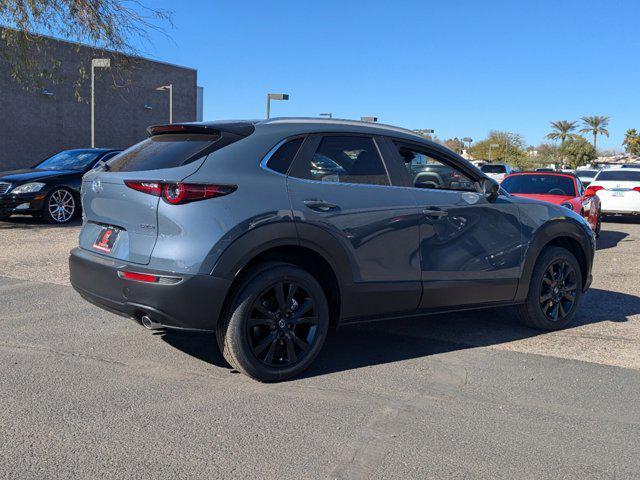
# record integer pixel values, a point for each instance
(539, 185)
(493, 169)
(619, 176)
(162, 151)
(587, 173)
(281, 160)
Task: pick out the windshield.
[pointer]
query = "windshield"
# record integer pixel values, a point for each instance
(69, 160)
(587, 173)
(619, 175)
(493, 169)
(540, 185)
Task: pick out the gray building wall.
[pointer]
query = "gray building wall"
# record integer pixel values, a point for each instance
(34, 126)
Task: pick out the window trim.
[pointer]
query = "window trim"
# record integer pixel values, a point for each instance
(310, 147)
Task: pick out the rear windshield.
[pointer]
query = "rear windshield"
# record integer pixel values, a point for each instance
(540, 185)
(493, 169)
(162, 151)
(587, 173)
(619, 175)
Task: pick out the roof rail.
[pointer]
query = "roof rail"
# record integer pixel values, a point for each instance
(339, 121)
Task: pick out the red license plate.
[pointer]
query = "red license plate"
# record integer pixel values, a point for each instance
(106, 239)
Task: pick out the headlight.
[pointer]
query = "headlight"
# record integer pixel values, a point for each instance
(567, 205)
(28, 188)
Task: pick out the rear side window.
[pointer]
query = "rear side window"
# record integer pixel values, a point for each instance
(281, 160)
(162, 151)
(347, 159)
(619, 175)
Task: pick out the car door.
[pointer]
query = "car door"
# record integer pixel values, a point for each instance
(470, 248)
(341, 192)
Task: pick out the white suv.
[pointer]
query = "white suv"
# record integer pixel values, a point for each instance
(497, 171)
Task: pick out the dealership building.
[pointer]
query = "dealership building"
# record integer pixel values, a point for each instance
(37, 121)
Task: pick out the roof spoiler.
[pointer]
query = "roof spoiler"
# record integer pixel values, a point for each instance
(240, 128)
(180, 128)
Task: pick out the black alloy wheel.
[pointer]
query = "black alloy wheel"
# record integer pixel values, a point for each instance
(282, 324)
(555, 290)
(276, 322)
(558, 290)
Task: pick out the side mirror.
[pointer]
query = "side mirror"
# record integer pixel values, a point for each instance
(489, 188)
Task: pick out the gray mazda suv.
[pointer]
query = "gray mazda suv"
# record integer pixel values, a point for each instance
(270, 233)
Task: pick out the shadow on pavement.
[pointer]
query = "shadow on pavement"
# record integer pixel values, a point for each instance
(389, 341)
(26, 222)
(609, 239)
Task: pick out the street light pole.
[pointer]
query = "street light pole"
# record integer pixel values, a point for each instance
(99, 63)
(492, 145)
(170, 88)
(275, 96)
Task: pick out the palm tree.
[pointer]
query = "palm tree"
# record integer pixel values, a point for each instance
(596, 125)
(562, 130)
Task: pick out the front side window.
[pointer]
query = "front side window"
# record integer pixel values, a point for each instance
(346, 159)
(427, 172)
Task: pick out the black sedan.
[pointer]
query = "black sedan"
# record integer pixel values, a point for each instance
(50, 189)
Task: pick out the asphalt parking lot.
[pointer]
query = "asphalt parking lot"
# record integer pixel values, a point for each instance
(84, 393)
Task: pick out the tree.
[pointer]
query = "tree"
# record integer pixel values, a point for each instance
(562, 130)
(596, 125)
(117, 25)
(631, 142)
(577, 151)
(502, 147)
(454, 144)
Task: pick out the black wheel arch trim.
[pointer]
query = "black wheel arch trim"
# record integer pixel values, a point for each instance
(546, 234)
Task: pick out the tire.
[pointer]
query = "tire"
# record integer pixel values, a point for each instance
(60, 206)
(598, 225)
(539, 314)
(264, 337)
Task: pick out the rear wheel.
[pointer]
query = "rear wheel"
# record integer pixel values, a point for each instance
(554, 292)
(277, 323)
(598, 224)
(59, 206)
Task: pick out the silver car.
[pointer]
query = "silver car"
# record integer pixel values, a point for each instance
(269, 233)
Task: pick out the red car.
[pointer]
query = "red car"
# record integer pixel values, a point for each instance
(560, 188)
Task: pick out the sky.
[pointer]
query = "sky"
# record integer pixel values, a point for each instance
(462, 68)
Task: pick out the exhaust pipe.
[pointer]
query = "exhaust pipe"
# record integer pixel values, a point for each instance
(150, 324)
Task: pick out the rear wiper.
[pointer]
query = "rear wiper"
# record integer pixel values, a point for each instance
(104, 165)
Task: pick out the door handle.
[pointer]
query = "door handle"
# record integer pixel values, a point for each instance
(320, 205)
(435, 212)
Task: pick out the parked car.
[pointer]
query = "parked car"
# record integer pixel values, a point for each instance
(560, 188)
(231, 227)
(586, 176)
(51, 188)
(497, 171)
(618, 190)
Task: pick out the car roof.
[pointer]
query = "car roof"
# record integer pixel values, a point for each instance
(620, 169)
(309, 124)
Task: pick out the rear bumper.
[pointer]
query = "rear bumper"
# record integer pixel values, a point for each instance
(195, 303)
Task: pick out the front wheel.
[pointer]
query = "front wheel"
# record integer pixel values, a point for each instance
(277, 323)
(59, 206)
(554, 292)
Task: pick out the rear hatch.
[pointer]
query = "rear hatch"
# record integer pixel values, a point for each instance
(120, 222)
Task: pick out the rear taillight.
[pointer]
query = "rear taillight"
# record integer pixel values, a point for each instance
(637, 189)
(592, 190)
(152, 188)
(179, 193)
(138, 277)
